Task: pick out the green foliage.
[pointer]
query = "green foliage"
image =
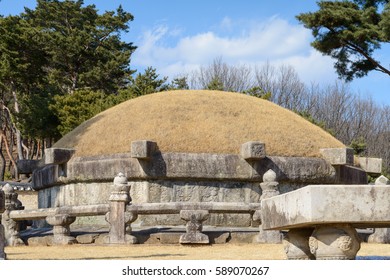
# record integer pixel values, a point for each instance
(259, 92)
(148, 82)
(179, 83)
(73, 109)
(61, 63)
(83, 48)
(350, 32)
(215, 84)
(358, 145)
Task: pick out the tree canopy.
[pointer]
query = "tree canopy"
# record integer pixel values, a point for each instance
(350, 32)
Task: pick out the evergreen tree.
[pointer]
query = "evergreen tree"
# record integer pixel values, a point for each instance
(350, 32)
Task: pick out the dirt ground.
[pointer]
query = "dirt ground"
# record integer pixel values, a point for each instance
(167, 252)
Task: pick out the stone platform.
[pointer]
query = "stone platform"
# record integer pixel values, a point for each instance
(322, 220)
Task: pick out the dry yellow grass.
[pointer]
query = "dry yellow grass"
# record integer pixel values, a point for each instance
(168, 252)
(198, 122)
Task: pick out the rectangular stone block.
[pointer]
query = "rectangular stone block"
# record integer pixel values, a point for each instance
(58, 156)
(338, 156)
(362, 206)
(27, 166)
(2, 202)
(143, 149)
(370, 165)
(253, 150)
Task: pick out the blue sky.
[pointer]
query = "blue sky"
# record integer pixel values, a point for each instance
(180, 36)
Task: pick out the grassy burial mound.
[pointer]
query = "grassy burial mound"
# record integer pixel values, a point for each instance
(198, 121)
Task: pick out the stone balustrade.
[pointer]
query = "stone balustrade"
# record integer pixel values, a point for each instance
(120, 213)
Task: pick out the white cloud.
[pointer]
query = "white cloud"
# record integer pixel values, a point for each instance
(276, 41)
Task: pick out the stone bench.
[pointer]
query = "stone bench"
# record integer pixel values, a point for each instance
(322, 219)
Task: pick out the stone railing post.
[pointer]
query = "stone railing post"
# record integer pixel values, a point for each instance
(2, 237)
(194, 226)
(61, 230)
(118, 218)
(269, 189)
(11, 227)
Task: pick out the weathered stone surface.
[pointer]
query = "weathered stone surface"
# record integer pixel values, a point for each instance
(253, 150)
(358, 205)
(143, 149)
(338, 156)
(40, 241)
(176, 166)
(351, 175)
(370, 165)
(382, 181)
(27, 166)
(47, 176)
(380, 235)
(296, 244)
(218, 237)
(238, 237)
(57, 156)
(11, 227)
(334, 242)
(61, 230)
(102, 239)
(87, 238)
(194, 227)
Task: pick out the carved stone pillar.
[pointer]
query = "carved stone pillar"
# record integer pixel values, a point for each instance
(2, 237)
(194, 227)
(11, 227)
(296, 244)
(337, 242)
(117, 217)
(269, 189)
(61, 230)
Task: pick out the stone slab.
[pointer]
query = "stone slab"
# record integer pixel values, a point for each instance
(143, 149)
(359, 205)
(253, 150)
(370, 165)
(338, 156)
(27, 166)
(58, 156)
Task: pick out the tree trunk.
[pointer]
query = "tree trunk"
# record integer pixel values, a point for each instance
(19, 147)
(2, 160)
